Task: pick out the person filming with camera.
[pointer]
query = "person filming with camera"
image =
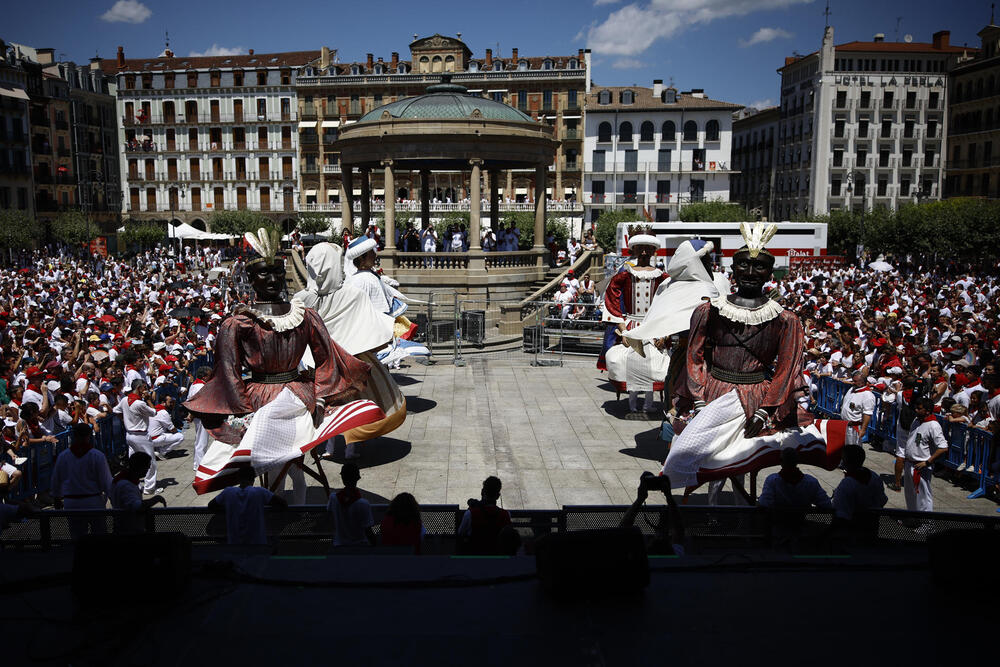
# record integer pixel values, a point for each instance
(669, 537)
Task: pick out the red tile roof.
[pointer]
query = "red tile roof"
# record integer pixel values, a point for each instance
(242, 61)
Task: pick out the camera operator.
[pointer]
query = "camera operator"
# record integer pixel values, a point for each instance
(669, 537)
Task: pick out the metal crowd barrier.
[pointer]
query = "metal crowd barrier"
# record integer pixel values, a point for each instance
(41, 456)
(708, 529)
(970, 450)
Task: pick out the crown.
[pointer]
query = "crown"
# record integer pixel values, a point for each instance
(635, 230)
(265, 243)
(757, 236)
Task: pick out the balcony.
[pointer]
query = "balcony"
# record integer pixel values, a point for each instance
(309, 139)
(206, 118)
(310, 169)
(888, 163)
(572, 135)
(843, 135)
(309, 112)
(331, 168)
(62, 152)
(845, 162)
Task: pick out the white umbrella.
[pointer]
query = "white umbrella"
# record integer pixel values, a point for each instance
(880, 265)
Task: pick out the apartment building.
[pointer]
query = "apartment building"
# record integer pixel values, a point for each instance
(754, 155)
(332, 93)
(973, 167)
(16, 188)
(862, 124)
(656, 149)
(208, 134)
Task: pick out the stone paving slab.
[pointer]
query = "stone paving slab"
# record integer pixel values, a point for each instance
(554, 435)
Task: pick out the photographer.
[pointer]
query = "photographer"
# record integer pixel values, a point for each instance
(669, 537)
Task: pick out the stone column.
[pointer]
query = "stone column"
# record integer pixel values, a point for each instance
(475, 208)
(425, 197)
(509, 192)
(347, 197)
(540, 172)
(494, 203)
(390, 206)
(366, 196)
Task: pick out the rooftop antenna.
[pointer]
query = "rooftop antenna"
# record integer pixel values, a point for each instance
(672, 82)
(993, 7)
(826, 13)
(899, 19)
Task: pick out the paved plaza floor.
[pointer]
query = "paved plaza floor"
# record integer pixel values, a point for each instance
(554, 435)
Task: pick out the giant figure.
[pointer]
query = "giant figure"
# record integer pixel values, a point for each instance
(743, 376)
(281, 413)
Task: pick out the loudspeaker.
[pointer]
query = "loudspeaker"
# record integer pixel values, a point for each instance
(592, 562)
(155, 565)
(951, 553)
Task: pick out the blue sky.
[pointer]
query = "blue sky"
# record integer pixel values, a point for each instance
(730, 48)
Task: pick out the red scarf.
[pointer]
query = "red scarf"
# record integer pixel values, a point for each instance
(928, 418)
(159, 407)
(995, 392)
(132, 398)
(861, 390)
(33, 387)
(907, 395)
(348, 496)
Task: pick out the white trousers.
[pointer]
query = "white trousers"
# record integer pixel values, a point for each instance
(140, 442)
(919, 498)
(298, 494)
(200, 442)
(79, 527)
(715, 488)
(164, 443)
(633, 401)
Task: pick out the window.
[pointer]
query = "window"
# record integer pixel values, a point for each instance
(449, 64)
(262, 77)
(932, 100)
(663, 160)
(887, 98)
(631, 160)
(598, 158)
(497, 66)
(129, 81)
(497, 96)
(286, 77)
(522, 66)
(604, 97)
(473, 66)
(238, 78)
(215, 78)
(572, 64)
(522, 100)
(690, 131)
(627, 97)
(547, 100)
(147, 81)
(841, 99)
(571, 99)
(712, 130)
(625, 132)
(646, 131)
(597, 188)
(604, 131)
(866, 99)
(669, 96)
(911, 99)
(669, 131)
(192, 78)
(546, 64)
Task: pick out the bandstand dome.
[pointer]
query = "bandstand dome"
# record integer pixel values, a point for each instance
(446, 100)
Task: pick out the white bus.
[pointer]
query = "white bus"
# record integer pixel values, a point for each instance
(793, 239)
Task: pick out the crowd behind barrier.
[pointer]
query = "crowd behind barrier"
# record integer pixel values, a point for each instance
(970, 449)
(708, 529)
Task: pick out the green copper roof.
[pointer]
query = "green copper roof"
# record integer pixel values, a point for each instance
(446, 100)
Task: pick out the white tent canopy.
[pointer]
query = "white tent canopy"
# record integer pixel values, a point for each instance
(185, 231)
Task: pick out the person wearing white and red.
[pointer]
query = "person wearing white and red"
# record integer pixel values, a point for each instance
(33, 390)
(244, 508)
(563, 299)
(136, 413)
(162, 431)
(858, 408)
(200, 432)
(81, 480)
(925, 445)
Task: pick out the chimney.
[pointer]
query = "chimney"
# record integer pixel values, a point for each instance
(513, 55)
(121, 57)
(45, 56)
(941, 39)
(251, 51)
(324, 57)
(395, 60)
(489, 59)
(168, 53)
(657, 87)
(371, 61)
(879, 37)
(579, 55)
(789, 60)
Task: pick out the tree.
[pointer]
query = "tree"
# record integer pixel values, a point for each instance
(714, 211)
(313, 223)
(606, 232)
(141, 234)
(238, 223)
(17, 230)
(73, 228)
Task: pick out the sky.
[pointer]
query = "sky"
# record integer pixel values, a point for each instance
(730, 48)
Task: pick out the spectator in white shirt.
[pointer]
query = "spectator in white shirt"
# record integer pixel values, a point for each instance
(162, 431)
(925, 445)
(81, 480)
(857, 409)
(244, 508)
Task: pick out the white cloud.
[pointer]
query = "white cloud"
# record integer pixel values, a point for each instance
(761, 104)
(765, 35)
(628, 63)
(216, 50)
(127, 11)
(635, 27)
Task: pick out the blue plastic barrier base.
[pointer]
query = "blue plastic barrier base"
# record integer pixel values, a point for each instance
(978, 493)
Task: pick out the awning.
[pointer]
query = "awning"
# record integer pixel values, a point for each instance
(378, 191)
(311, 192)
(332, 193)
(307, 124)
(356, 192)
(350, 122)
(16, 93)
(331, 123)
(571, 117)
(570, 191)
(520, 191)
(548, 192)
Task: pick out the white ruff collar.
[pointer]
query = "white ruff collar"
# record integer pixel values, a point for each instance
(765, 313)
(651, 274)
(289, 320)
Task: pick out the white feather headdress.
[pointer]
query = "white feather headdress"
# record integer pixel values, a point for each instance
(756, 237)
(265, 243)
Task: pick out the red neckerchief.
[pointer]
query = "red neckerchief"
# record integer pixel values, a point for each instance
(130, 368)
(861, 390)
(907, 395)
(928, 418)
(197, 382)
(132, 398)
(994, 392)
(159, 407)
(793, 476)
(33, 387)
(15, 402)
(347, 496)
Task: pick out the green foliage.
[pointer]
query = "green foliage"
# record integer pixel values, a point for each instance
(17, 229)
(524, 222)
(607, 224)
(558, 229)
(73, 228)
(312, 223)
(714, 211)
(239, 222)
(141, 235)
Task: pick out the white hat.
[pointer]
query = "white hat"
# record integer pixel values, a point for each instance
(643, 239)
(359, 247)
